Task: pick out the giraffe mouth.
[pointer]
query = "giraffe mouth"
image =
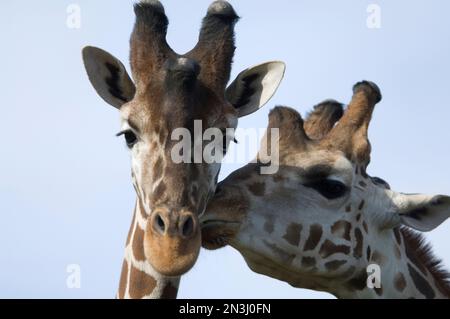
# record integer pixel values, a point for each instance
(217, 233)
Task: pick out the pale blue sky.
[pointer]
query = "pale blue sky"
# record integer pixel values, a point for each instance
(65, 190)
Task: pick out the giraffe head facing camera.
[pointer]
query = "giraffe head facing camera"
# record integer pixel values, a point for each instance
(171, 91)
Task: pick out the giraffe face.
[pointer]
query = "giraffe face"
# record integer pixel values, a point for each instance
(298, 227)
(172, 194)
(296, 219)
(321, 220)
(173, 92)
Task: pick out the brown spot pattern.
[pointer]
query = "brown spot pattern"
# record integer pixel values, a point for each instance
(329, 248)
(141, 284)
(368, 253)
(361, 205)
(315, 233)
(341, 229)
(399, 282)
(358, 249)
(292, 235)
(138, 244)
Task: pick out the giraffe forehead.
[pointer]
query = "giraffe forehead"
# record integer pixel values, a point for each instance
(149, 107)
(322, 162)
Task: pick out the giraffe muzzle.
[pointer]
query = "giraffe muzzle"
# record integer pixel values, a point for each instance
(172, 241)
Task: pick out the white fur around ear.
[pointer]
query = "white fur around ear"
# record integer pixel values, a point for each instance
(108, 76)
(422, 212)
(254, 87)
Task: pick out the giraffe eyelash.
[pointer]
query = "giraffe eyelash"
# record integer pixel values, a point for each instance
(121, 133)
(130, 137)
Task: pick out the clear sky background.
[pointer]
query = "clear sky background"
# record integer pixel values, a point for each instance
(65, 190)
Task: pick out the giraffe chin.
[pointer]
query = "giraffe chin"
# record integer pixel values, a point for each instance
(171, 256)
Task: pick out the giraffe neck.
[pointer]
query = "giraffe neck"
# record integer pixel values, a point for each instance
(407, 270)
(138, 279)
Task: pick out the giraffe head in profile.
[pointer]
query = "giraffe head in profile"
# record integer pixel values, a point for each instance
(169, 92)
(321, 222)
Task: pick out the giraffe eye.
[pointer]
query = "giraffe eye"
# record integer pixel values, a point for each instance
(130, 137)
(331, 189)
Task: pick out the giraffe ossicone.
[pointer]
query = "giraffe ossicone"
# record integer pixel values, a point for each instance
(321, 222)
(169, 91)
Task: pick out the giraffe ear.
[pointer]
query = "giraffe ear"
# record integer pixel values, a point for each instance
(108, 76)
(422, 212)
(254, 87)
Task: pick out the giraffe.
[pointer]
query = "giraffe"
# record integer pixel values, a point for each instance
(170, 91)
(321, 222)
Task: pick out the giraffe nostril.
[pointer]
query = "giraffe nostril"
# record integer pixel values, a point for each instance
(159, 224)
(187, 228)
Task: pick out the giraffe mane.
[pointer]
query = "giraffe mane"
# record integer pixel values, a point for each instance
(424, 253)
